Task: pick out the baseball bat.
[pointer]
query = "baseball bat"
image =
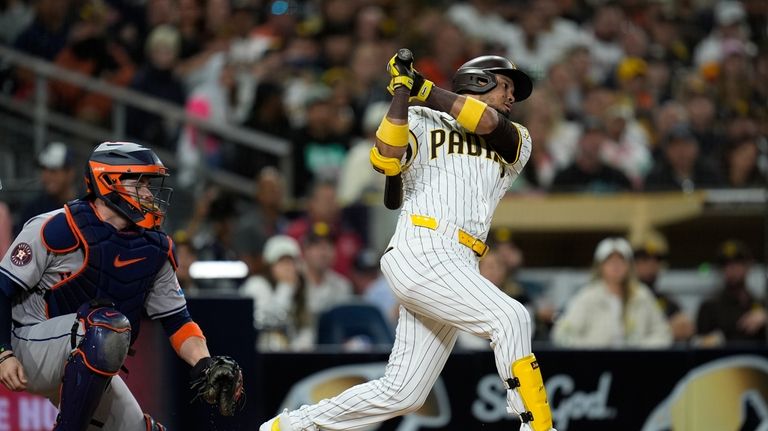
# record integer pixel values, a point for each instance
(393, 188)
(393, 192)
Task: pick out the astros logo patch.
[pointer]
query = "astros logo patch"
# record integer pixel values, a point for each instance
(22, 254)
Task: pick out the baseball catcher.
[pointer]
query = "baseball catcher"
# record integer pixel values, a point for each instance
(73, 289)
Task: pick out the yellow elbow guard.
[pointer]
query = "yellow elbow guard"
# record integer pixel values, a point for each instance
(470, 114)
(392, 134)
(388, 166)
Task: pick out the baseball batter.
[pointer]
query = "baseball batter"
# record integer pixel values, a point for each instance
(74, 285)
(461, 153)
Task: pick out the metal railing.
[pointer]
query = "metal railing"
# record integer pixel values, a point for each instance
(42, 117)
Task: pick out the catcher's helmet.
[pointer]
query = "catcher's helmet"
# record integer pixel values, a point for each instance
(478, 76)
(115, 173)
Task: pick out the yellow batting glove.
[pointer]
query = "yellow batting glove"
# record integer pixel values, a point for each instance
(401, 74)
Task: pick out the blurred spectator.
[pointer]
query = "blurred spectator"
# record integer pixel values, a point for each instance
(588, 172)
(91, 51)
(466, 15)
(262, 219)
(365, 271)
(370, 24)
(633, 83)
(578, 63)
(190, 27)
(733, 315)
(58, 178)
(681, 167)
(556, 138)
(319, 148)
(260, 98)
(667, 43)
(734, 84)
(604, 40)
(614, 309)
(368, 85)
(268, 114)
(280, 307)
(156, 78)
(210, 101)
(741, 163)
(47, 34)
(730, 26)
(627, 145)
(186, 255)
(211, 227)
(670, 114)
(325, 287)
(355, 181)
(15, 16)
(702, 120)
(323, 207)
(541, 38)
(448, 53)
(651, 254)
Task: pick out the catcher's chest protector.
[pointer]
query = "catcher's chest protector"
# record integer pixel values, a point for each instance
(118, 266)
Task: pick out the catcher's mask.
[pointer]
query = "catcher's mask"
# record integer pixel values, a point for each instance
(478, 76)
(129, 179)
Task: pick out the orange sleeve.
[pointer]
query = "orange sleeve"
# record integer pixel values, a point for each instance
(189, 329)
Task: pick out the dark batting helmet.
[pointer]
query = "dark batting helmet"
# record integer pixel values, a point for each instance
(478, 76)
(115, 173)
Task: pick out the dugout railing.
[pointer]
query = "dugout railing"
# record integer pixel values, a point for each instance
(43, 119)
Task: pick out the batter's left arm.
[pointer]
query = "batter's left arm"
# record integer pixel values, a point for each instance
(503, 136)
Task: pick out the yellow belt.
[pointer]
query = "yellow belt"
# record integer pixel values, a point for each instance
(476, 245)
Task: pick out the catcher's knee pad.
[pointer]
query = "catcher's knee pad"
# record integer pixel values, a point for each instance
(91, 365)
(106, 340)
(530, 385)
(153, 425)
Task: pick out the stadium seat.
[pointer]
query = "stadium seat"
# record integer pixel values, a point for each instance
(347, 322)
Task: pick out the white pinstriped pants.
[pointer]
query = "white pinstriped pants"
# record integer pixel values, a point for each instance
(441, 291)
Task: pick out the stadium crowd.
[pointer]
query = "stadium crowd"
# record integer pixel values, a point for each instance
(629, 96)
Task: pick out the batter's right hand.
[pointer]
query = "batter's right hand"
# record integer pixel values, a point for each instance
(12, 373)
(401, 73)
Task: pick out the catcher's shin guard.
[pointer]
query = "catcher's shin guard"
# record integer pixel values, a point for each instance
(529, 384)
(91, 365)
(153, 425)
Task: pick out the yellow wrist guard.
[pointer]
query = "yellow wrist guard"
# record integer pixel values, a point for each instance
(470, 114)
(388, 166)
(423, 92)
(392, 134)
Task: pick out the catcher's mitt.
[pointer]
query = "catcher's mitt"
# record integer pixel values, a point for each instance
(219, 382)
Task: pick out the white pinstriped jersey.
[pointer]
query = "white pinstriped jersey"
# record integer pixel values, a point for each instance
(452, 174)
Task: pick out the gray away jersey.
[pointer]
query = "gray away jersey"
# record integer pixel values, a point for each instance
(453, 175)
(29, 263)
